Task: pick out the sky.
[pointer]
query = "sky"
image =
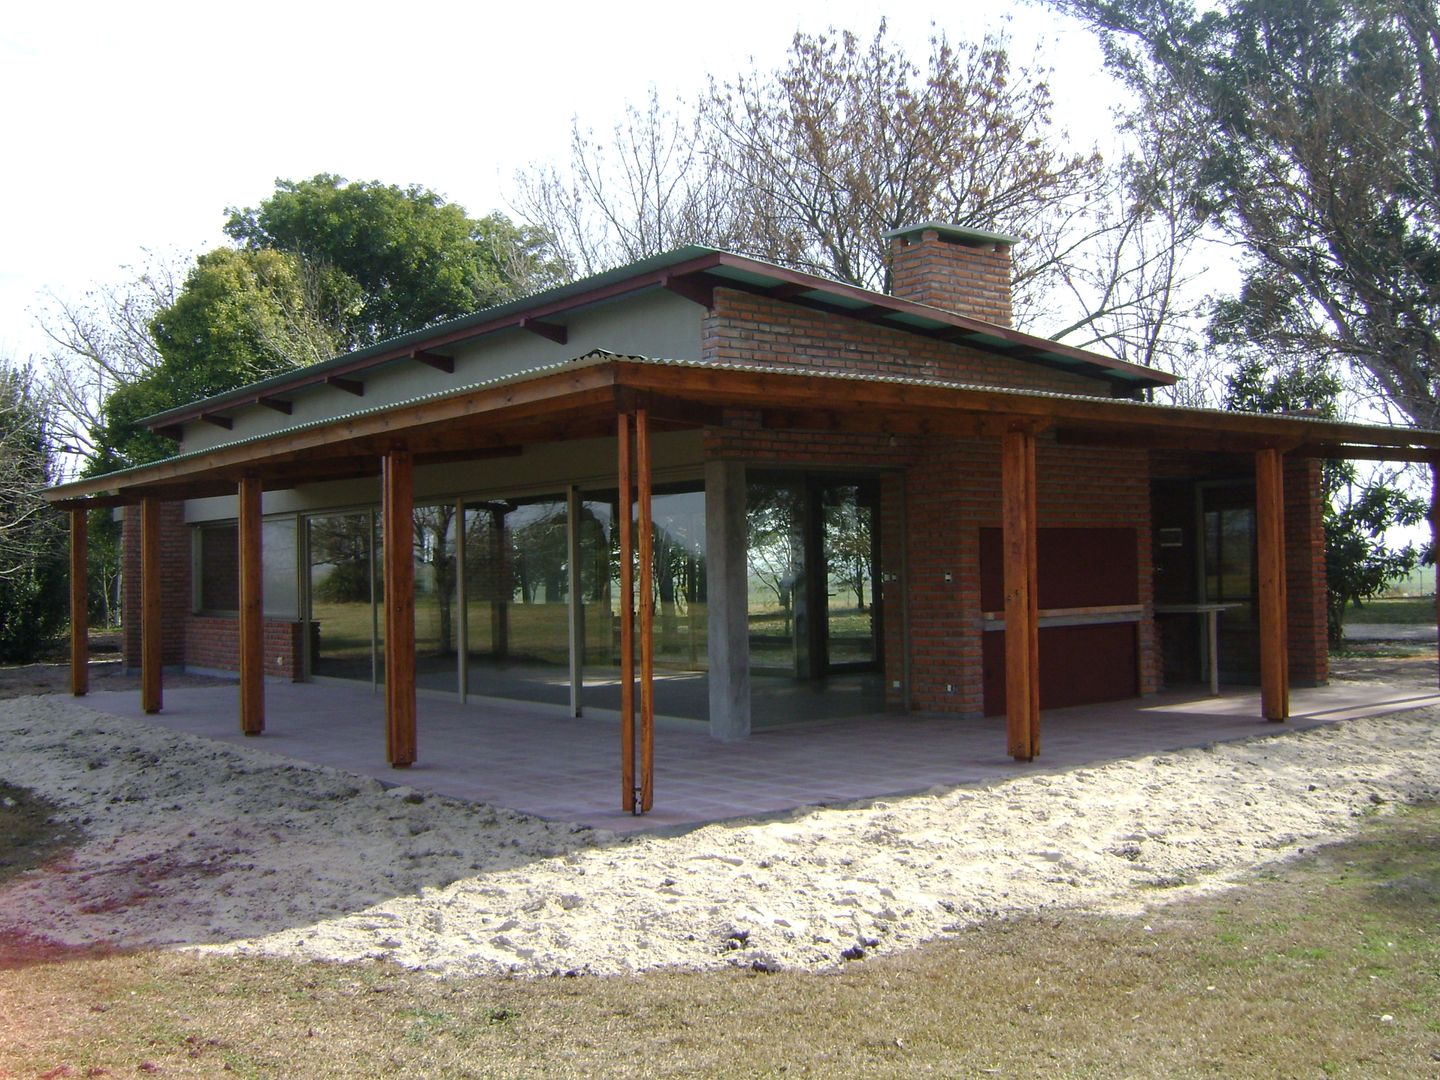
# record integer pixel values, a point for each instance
(129, 128)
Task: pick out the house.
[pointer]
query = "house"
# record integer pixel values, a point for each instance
(845, 503)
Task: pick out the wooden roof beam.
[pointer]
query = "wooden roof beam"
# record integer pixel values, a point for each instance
(697, 288)
(438, 361)
(280, 405)
(551, 331)
(219, 420)
(350, 386)
(1354, 452)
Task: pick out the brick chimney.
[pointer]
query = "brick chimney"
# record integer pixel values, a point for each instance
(966, 271)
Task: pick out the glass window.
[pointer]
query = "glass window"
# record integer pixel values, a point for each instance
(517, 599)
(341, 618)
(677, 600)
(217, 569)
(435, 593)
(280, 564)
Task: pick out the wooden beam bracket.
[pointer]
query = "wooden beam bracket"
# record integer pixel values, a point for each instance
(438, 361)
(350, 386)
(279, 405)
(550, 330)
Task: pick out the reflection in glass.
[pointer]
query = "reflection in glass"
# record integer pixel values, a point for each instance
(279, 565)
(677, 601)
(435, 594)
(341, 622)
(848, 528)
(517, 611)
(775, 569)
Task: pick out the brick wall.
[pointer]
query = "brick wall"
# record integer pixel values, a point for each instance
(743, 329)
(213, 641)
(936, 496)
(1305, 581)
(190, 640)
(967, 278)
(954, 491)
(174, 583)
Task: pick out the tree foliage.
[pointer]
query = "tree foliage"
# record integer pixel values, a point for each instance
(33, 571)
(1357, 509)
(323, 266)
(403, 258)
(1314, 141)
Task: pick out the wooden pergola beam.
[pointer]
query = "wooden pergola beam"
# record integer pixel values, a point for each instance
(151, 641)
(1022, 640)
(1270, 557)
(627, 618)
(397, 491)
(252, 610)
(79, 603)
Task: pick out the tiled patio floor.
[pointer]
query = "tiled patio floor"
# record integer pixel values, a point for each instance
(536, 759)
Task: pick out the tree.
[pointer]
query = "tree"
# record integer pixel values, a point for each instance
(411, 258)
(1313, 139)
(33, 572)
(1357, 510)
(240, 316)
(100, 342)
(810, 164)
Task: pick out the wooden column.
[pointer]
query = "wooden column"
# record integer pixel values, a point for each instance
(627, 621)
(1022, 642)
(576, 607)
(1270, 557)
(397, 494)
(79, 603)
(252, 611)
(151, 643)
(645, 552)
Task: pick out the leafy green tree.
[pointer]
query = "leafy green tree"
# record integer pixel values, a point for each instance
(413, 258)
(33, 570)
(1358, 510)
(240, 316)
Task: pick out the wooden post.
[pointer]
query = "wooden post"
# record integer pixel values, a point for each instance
(1032, 488)
(1022, 698)
(79, 603)
(645, 546)
(252, 611)
(627, 623)
(151, 645)
(1270, 557)
(397, 511)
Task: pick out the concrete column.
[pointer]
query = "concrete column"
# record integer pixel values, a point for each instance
(727, 599)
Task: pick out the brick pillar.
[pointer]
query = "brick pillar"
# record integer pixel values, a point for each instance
(1305, 573)
(964, 271)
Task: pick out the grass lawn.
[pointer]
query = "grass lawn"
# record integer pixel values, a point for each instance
(1326, 966)
(1404, 610)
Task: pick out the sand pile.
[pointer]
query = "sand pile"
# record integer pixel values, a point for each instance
(196, 843)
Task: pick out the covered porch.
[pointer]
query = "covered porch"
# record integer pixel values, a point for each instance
(538, 760)
(627, 401)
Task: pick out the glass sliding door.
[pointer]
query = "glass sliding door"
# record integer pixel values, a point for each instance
(517, 599)
(436, 639)
(677, 600)
(341, 623)
(848, 555)
(775, 549)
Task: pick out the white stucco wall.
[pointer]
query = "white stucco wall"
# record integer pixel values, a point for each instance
(655, 323)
